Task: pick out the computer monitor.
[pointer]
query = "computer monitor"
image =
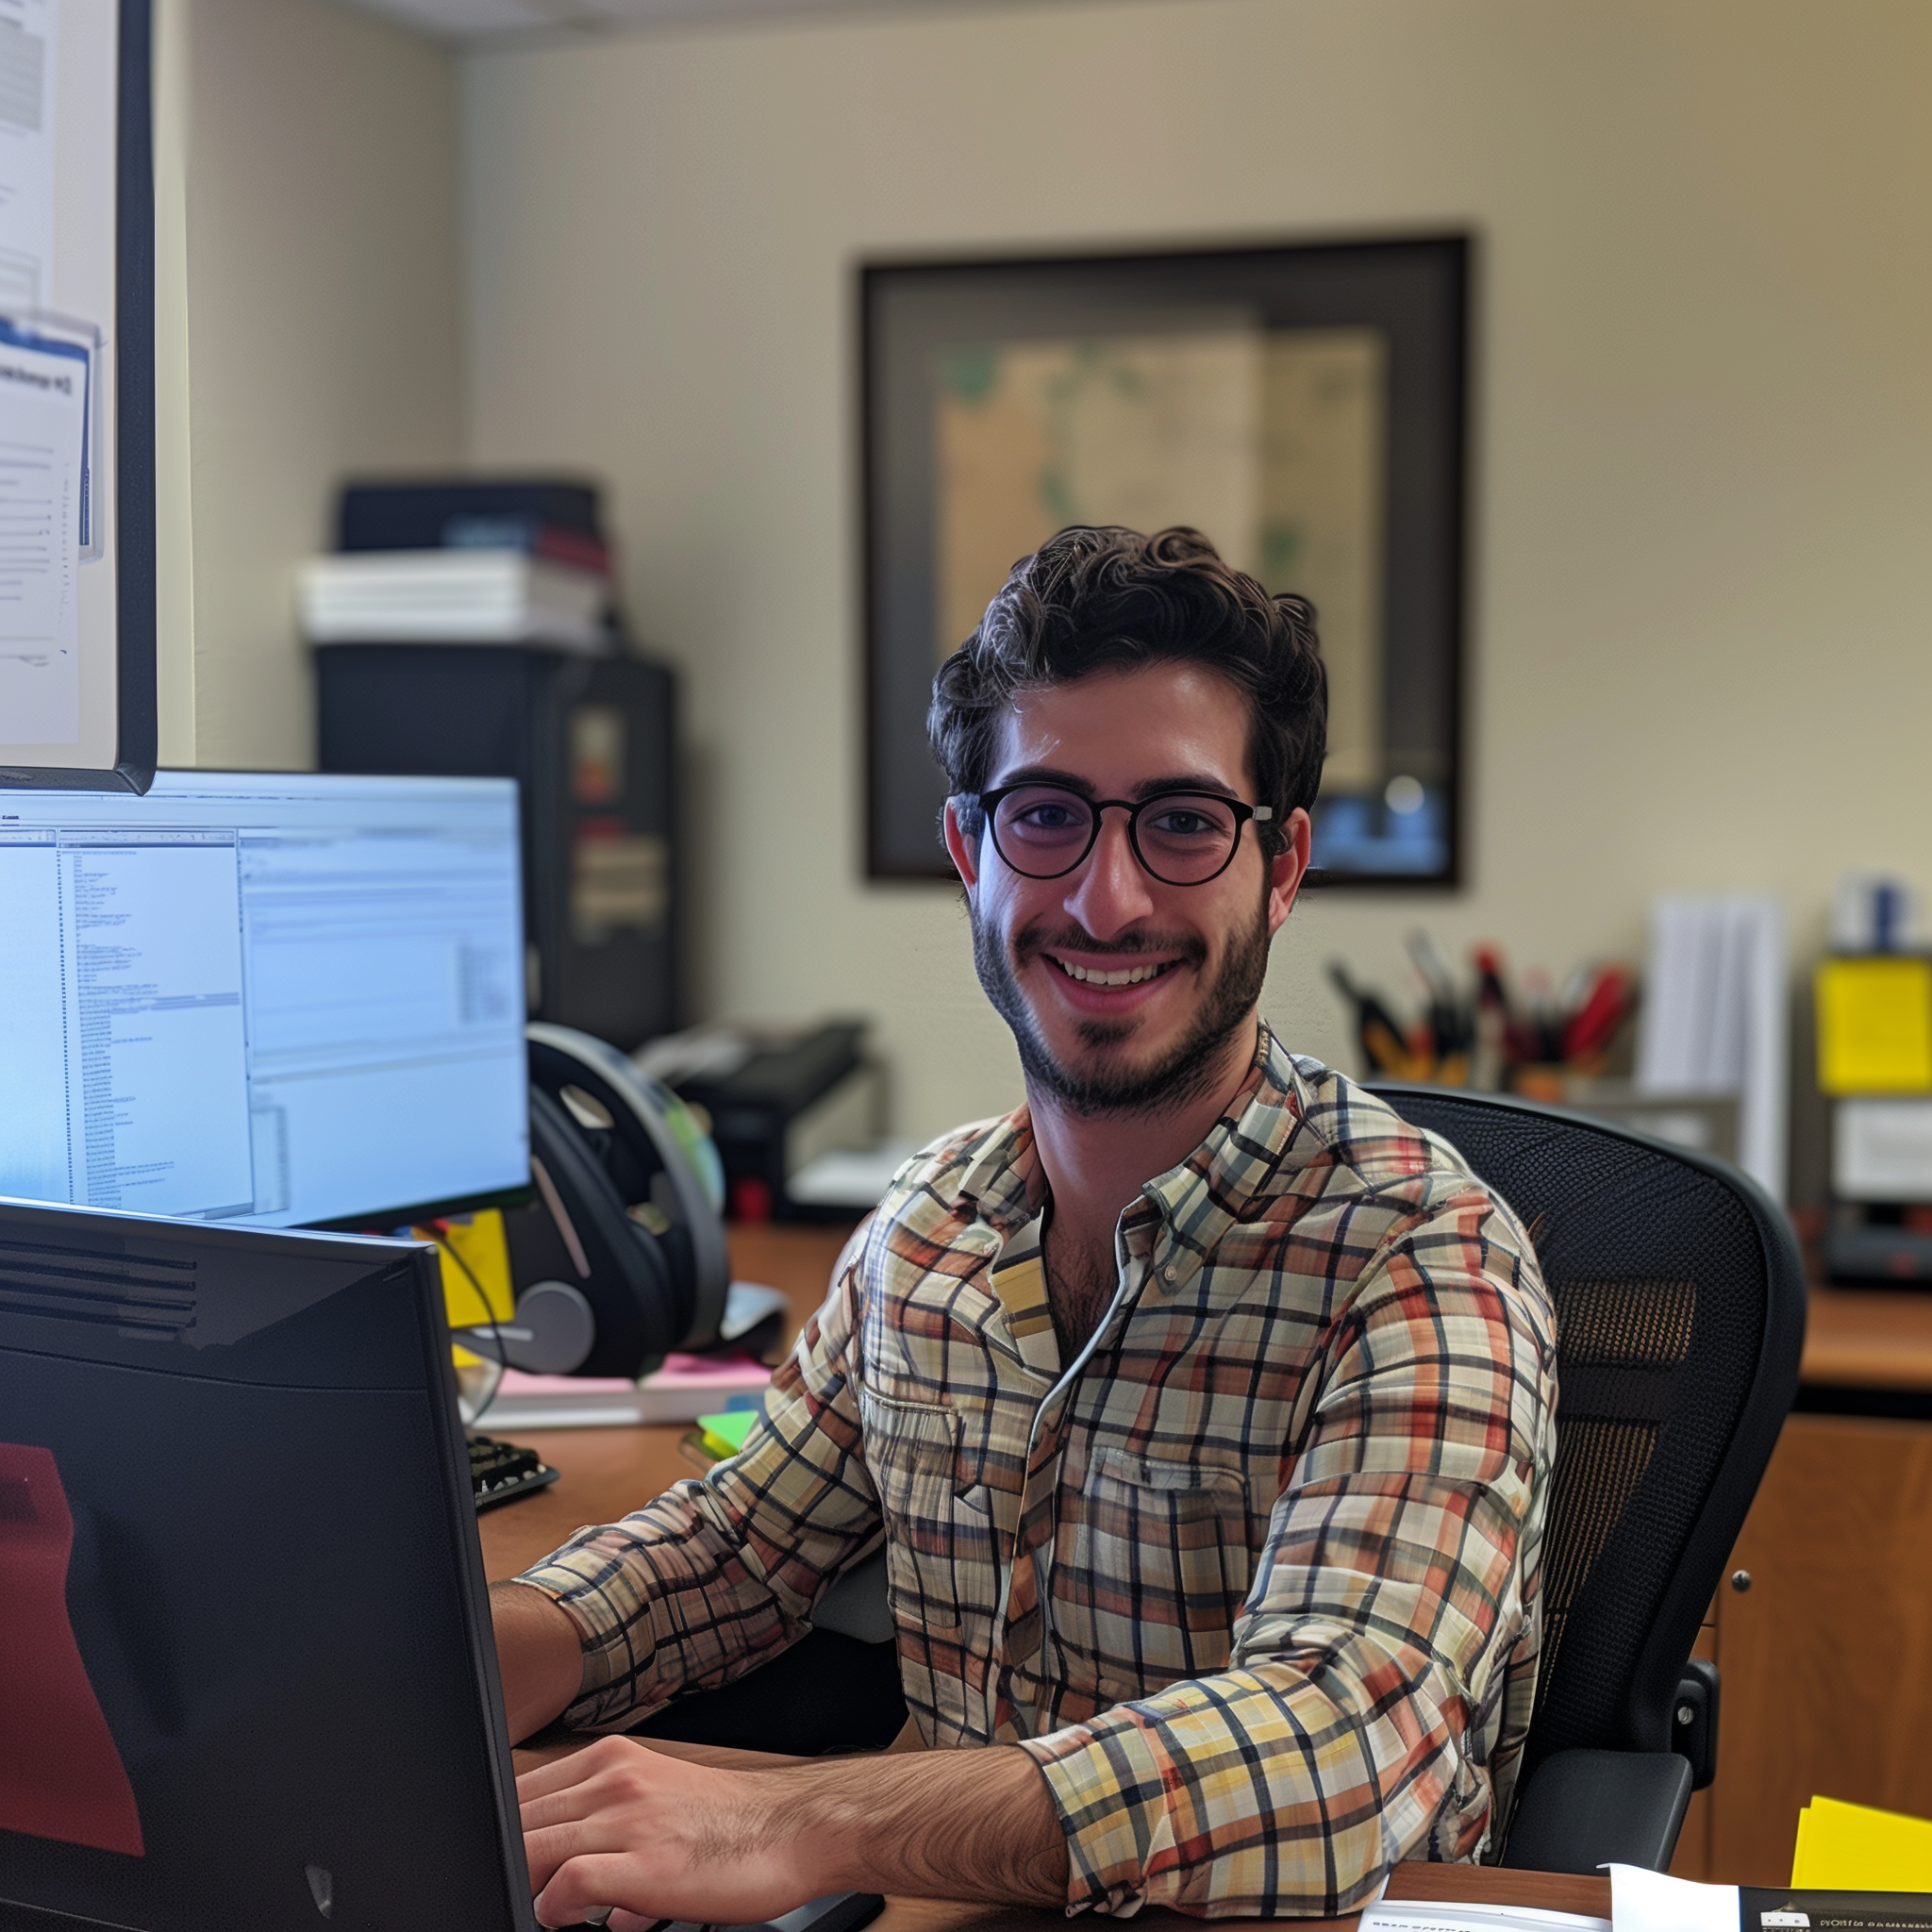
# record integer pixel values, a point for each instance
(276, 999)
(248, 1675)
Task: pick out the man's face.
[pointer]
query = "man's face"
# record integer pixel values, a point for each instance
(1196, 955)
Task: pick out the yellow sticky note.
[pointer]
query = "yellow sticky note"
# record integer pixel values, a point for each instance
(476, 1286)
(1854, 1848)
(1875, 1025)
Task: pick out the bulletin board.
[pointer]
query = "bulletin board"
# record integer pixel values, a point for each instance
(77, 703)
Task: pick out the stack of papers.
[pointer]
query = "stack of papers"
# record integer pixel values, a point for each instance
(1858, 1901)
(1715, 1017)
(685, 1387)
(1410, 1916)
(453, 597)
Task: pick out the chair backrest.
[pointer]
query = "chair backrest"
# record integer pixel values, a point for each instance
(1680, 1318)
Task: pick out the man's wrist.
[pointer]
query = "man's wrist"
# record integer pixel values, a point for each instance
(974, 1824)
(540, 1654)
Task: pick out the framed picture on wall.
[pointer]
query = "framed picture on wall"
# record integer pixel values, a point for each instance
(1303, 406)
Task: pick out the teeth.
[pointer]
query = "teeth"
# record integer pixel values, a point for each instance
(1127, 975)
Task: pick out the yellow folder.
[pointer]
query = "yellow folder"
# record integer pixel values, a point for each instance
(1875, 1025)
(1854, 1848)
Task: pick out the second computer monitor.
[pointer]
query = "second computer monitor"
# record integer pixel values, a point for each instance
(279, 999)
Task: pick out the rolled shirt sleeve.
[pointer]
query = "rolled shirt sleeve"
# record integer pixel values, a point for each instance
(720, 1572)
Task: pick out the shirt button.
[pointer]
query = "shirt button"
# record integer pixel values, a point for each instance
(1169, 1275)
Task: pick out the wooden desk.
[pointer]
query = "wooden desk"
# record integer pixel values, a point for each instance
(1550, 1892)
(1827, 1650)
(1869, 1337)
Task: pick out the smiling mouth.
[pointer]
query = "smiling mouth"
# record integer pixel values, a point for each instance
(1124, 975)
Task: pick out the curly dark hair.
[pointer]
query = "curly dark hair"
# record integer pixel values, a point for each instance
(1109, 599)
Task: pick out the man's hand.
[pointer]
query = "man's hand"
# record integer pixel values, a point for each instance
(540, 1656)
(618, 1825)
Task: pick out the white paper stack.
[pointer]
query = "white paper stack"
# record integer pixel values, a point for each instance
(685, 1388)
(453, 597)
(1715, 1017)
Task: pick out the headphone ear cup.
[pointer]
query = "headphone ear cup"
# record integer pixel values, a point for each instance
(576, 1232)
(641, 1158)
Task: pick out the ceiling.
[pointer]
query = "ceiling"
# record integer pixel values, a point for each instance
(495, 20)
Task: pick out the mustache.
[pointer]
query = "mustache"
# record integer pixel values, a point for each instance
(1041, 936)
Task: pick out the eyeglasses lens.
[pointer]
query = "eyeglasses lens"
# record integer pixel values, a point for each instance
(1184, 839)
(1044, 830)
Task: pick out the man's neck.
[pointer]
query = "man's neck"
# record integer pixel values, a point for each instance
(1095, 1165)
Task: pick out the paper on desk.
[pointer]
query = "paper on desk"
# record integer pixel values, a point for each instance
(1642, 1901)
(1410, 1916)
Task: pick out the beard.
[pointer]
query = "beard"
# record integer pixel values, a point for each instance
(1108, 1082)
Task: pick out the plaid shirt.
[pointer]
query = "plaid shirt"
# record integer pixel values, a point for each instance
(1254, 1579)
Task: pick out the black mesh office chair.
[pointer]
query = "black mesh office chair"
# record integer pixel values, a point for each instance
(1680, 1317)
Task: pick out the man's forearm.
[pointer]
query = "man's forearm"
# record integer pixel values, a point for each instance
(970, 1824)
(540, 1654)
(618, 1825)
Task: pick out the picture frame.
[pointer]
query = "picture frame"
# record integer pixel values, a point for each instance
(1304, 403)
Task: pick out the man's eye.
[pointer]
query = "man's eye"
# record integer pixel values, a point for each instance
(1182, 825)
(1048, 818)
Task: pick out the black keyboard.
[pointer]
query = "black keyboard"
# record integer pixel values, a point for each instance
(502, 1471)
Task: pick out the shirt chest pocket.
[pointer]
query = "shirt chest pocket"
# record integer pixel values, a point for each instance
(1151, 1567)
(939, 1555)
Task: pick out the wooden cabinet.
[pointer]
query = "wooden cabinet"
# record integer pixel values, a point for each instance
(1826, 1658)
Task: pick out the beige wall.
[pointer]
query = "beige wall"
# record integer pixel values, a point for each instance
(310, 324)
(1703, 489)
(1701, 607)
(1703, 499)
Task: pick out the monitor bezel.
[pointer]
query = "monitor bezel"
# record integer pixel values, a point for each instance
(387, 1220)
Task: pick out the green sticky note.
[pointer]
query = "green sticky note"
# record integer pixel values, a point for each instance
(732, 1428)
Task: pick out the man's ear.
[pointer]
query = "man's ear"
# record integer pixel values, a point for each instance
(964, 851)
(1287, 869)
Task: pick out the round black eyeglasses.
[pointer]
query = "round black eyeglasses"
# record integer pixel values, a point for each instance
(1180, 837)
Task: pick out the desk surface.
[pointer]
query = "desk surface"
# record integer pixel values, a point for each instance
(605, 1471)
(1550, 1892)
(1869, 1337)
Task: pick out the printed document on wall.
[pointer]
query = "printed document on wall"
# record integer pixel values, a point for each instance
(43, 395)
(28, 41)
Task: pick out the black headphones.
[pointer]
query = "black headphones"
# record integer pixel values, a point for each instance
(621, 1257)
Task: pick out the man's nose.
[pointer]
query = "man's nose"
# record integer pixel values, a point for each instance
(1109, 892)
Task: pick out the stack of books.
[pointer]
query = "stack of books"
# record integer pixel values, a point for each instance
(454, 597)
(464, 561)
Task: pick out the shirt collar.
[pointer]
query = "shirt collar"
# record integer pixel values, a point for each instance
(1217, 1185)
(1196, 1201)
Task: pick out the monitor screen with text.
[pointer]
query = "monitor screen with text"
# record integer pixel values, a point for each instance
(279, 999)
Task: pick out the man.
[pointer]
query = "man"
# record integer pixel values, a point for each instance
(1205, 1407)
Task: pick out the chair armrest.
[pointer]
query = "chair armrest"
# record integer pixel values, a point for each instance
(1586, 1808)
(1693, 1720)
